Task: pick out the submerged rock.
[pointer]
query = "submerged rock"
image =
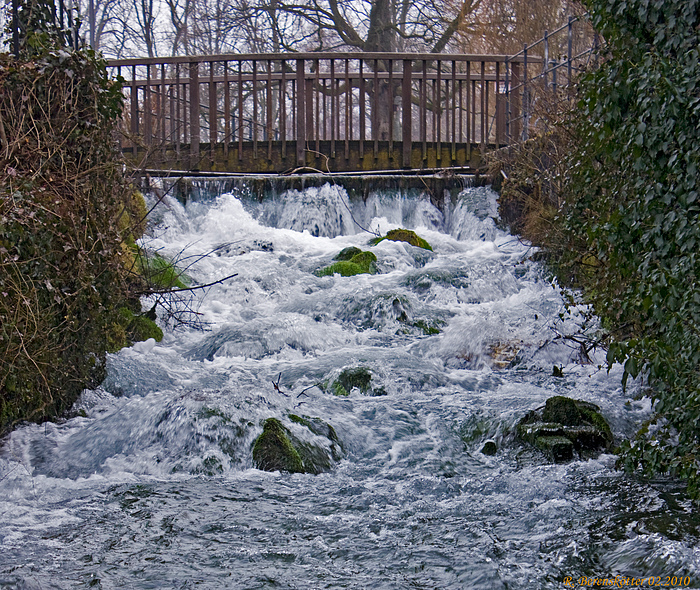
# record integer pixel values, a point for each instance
(490, 448)
(279, 449)
(504, 355)
(403, 235)
(351, 261)
(356, 378)
(565, 426)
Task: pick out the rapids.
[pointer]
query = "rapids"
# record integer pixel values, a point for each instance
(152, 484)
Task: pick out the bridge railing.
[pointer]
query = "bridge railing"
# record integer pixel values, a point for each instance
(294, 109)
(544, 74)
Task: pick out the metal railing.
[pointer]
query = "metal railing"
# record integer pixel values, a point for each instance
(563, 54)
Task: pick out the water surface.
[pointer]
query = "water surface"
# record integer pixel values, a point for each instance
(155, 487)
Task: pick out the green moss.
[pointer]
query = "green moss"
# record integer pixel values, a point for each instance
(161, 273)
(273, 449)
(129, 328)
(403, 235)
(347, 253)
(299, 420)
(277, 449)
(563, 410)
(338, 389)
(365, 260)
(143, 328)
(344, 268)
(132, 218)
(359, 263)
(359, 377)
(429, 328)
(596, 419)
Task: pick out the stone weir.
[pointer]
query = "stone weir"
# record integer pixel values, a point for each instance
(441, 187)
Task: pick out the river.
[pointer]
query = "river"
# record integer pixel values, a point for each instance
(152, 484)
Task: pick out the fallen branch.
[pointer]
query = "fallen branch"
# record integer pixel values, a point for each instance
(167, 291)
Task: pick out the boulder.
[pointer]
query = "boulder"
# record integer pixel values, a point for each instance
(403, 235)
(565, 426)
(279, 449)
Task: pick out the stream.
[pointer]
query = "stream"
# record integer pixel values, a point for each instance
(153, 484)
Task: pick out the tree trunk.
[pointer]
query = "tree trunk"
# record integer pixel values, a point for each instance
(381, 37)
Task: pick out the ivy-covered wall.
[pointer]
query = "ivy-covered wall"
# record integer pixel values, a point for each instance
(635, 189)
(64, 276)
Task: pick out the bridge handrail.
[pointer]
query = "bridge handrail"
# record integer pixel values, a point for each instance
(364, 56)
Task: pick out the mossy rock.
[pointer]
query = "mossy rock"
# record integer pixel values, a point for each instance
(344, 268)
(490, 448)
(563, 410)
(347, 253)
(129, 328)
(143, 328)
(429, 327)
(277, 449)
(359, 377)
(403, 235)
(273, 450)
(558, 449)
(579, 422)
(359, 263)
(356, 377)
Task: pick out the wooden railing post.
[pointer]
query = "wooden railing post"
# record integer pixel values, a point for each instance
(514, 115)
(134, 111)
(526, 97)
(406, 119)
(147, 108)
(213, 112)
(500, 115)
(301, 114)
(194, 115)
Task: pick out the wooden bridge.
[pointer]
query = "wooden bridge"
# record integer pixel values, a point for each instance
(331, 112)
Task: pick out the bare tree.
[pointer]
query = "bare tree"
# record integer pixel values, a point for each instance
(503, 26)
(180, 12)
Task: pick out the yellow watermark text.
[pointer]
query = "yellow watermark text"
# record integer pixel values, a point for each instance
(619, 581)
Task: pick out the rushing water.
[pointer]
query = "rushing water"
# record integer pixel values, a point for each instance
(153, 486)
